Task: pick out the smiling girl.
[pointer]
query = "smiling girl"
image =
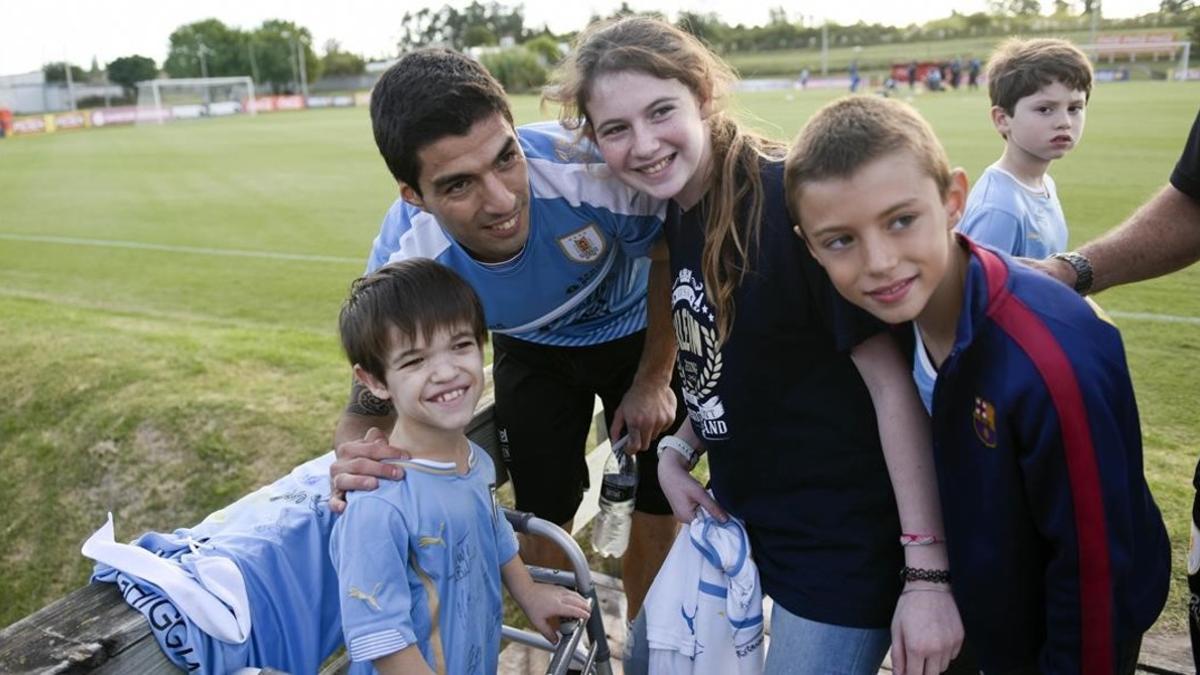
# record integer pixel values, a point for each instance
(789, 389)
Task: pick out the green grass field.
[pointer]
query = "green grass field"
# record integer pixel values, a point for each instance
(168, 299)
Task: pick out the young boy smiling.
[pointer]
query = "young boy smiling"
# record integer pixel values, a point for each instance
(1059, 559)
(420, 561)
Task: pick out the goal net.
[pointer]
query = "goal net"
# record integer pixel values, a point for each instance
(190, 98)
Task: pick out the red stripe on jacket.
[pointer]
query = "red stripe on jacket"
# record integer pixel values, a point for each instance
(1095, 578)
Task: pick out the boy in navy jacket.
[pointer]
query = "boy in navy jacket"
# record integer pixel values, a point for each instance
(1058, 554)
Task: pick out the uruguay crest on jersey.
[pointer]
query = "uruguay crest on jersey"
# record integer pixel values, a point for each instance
(584, 245)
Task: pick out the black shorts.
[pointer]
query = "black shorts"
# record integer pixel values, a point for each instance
(544, 401)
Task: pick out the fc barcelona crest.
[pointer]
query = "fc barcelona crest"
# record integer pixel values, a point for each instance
(583, 245)
(985, 422)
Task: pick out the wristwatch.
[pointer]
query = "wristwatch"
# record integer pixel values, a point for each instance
(1082, 267)
(682, 447)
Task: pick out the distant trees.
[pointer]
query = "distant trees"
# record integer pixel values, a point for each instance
(476, 24)
(270, 53)
(57, 72)
(127, 71)
(338, 63)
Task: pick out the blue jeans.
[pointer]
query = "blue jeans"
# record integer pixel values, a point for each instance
(803, 647)
(797, 647)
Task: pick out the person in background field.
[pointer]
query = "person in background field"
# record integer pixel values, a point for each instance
(789, 390)
(1058, 554)
(912, 75)
(558, 254)
(1161, 237)
(1039, 91)
(419, 561)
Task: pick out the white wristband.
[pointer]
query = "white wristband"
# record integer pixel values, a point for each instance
(682, 447)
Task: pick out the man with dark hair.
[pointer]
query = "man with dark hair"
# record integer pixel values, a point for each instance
(559, 252)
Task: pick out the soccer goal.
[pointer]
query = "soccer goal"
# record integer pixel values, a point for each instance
(189, 98)
(1127, 51)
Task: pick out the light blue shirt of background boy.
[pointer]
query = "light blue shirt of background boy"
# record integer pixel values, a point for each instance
(1004, 213)
(418, 563)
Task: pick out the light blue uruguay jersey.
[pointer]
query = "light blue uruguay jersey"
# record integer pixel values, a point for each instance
(418, 563)
(278, 538)
(1014, 218)
(581, 278)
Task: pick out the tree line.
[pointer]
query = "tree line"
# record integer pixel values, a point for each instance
(276, 52)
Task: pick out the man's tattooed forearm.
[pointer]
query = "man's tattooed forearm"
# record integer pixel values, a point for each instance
(363, 402)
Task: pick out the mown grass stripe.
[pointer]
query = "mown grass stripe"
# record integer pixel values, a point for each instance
(170, 248)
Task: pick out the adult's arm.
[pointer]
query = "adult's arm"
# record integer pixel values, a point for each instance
(926, 629)
(648, 407)
(361, 442)
(1159, 238)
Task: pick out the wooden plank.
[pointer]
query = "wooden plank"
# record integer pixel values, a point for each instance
(79, 633)
(1166, 654)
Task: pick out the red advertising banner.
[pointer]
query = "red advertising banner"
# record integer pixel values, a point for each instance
(289, 102)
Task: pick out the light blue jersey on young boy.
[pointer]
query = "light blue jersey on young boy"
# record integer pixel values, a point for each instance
(1004, 213)
(1017, 219)
(418, 563)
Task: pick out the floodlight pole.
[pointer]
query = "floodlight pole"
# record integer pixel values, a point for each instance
(70, 85)
(825, 48)
(303, 70)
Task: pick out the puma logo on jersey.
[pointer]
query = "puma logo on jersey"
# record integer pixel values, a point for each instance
(368, 598)
(427, 541)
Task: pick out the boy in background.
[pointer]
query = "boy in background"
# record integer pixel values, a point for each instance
(1039, 91)
(420, 560)
(1058, 554)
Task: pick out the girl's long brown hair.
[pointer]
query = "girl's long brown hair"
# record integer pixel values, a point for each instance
(659, 49)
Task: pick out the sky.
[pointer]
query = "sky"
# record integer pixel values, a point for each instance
(34, 32)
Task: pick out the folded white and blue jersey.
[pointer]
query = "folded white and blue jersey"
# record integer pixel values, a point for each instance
(704, 609)
(581, 278)
(251, 585)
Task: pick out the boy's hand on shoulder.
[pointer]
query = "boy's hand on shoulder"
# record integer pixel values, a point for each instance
(358, 466)
(545, 604)
(927, 632)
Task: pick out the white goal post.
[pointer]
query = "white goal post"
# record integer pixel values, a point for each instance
(1110, 50)
(182, 98)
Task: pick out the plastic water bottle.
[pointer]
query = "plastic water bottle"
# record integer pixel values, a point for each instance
(610, 532)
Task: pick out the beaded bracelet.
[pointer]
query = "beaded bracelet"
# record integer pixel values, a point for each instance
(919, 574)
(920, 539)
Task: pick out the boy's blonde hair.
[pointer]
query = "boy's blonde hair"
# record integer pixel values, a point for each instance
(656, 48)
(1019, 68)
(851, 132)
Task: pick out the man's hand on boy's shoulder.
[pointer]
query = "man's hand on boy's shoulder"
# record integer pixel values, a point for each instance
(359, 466)
(1053, 267)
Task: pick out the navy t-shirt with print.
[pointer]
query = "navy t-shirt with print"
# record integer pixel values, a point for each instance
(788, 423)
